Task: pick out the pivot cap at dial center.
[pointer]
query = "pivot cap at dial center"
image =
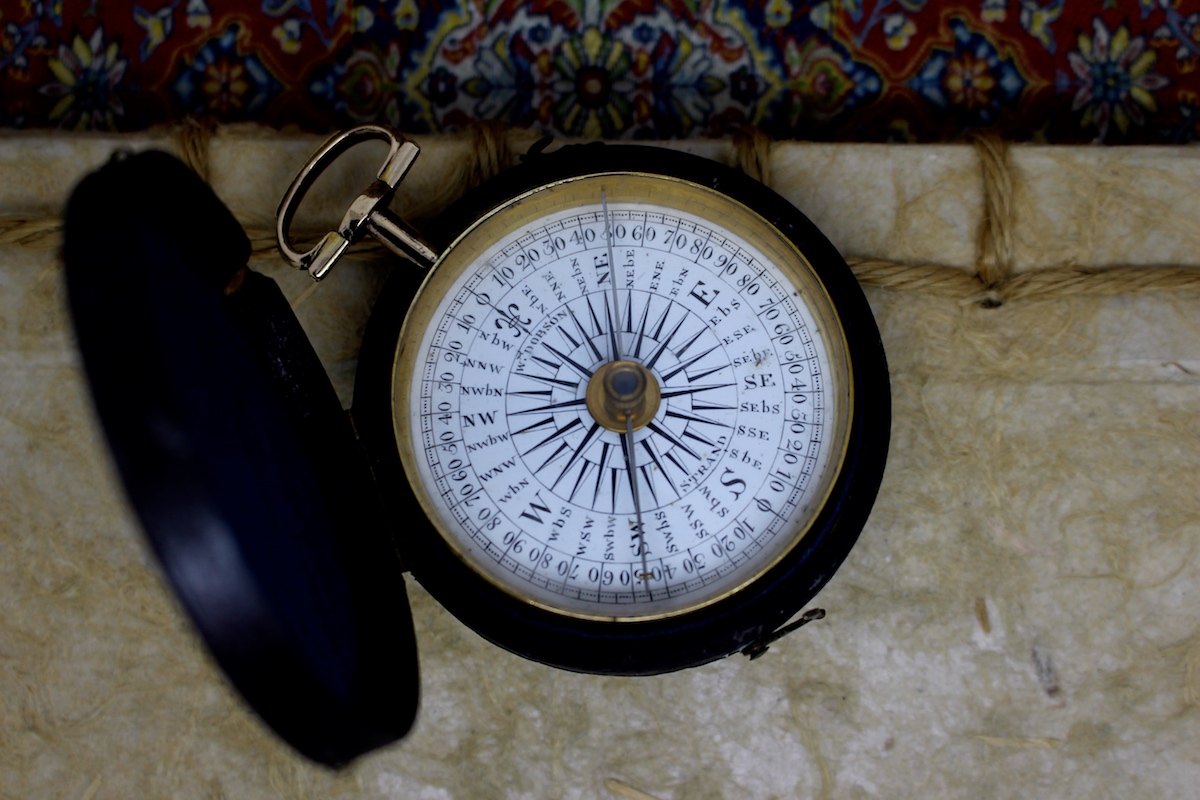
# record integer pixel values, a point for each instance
(621, 391)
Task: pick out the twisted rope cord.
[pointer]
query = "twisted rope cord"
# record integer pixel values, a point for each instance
(35, 233)
(752, 153)
(192, 141)
(994, 259)
(994, 281)
(992, 284)
(492, 153)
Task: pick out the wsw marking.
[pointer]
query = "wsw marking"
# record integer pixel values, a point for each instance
(585, 536)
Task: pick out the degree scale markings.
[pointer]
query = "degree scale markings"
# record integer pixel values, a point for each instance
(549, 494)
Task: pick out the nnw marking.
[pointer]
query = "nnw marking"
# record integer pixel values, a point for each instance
(475, 363)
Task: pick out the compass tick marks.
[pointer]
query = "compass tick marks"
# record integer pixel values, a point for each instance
(583, 471)
(641, 334)
(570, 426)
(554, 381)
(648, 446)
(554, 365)
(699, 406)
(587, 438)
(670, 437)
(535, 426)
(692, 361)
(691, 342)
(692, 435)
(681, 392)
(694, 418)
(575, 365)
(601, 465)
(588, 339)
(556, 407)
(567, 336)
(554, 455)
(662, 347)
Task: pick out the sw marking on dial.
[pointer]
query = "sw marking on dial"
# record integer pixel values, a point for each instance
(537, 491)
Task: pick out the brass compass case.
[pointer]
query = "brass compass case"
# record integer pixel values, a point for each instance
(517, 562)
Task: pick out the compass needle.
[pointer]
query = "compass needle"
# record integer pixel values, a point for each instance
(631, 462)
(614, 323)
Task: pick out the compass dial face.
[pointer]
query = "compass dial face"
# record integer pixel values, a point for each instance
(726, 339)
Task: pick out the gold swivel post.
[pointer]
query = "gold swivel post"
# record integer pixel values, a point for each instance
(620, 391)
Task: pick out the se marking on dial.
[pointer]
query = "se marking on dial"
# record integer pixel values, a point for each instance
(539, 493)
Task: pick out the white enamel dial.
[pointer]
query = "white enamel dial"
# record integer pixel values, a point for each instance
(524, 478)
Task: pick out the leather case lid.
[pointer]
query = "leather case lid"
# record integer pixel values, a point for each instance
(238, 459)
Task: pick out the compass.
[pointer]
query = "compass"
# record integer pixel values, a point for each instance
(623, 411)
(638, 397)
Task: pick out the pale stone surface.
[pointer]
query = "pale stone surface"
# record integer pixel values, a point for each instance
(1073, 206)
(1017, 620)
(1107, 206)
(916, 205)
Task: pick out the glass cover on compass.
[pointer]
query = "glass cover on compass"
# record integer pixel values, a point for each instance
(536, 469)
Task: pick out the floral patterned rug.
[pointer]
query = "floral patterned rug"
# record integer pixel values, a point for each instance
(854, 70)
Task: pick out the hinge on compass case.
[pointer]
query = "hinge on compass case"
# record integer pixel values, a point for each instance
(760, 646)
